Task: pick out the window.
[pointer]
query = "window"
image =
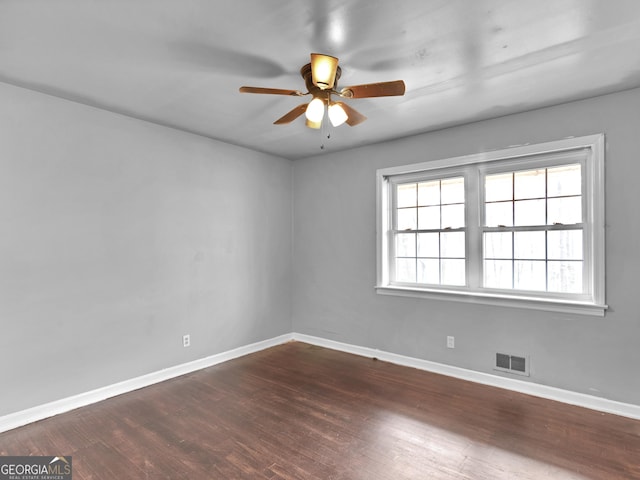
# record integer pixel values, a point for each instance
(520, 227)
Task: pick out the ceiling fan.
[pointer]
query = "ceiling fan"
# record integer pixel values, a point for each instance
(321, 78)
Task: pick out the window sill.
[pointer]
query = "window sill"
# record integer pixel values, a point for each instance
(530, 303)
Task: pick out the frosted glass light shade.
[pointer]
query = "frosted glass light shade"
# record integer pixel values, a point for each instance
(315, 110)
(337, 115)
(323, 70)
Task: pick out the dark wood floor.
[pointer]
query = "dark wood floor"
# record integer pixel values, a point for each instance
(298, 411)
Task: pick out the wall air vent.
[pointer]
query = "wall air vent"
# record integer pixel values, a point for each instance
(512, 364)
(503, 361)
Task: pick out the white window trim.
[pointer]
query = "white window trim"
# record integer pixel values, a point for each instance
(595, 195)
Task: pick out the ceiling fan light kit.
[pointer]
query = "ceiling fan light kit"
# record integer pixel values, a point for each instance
(321, 77)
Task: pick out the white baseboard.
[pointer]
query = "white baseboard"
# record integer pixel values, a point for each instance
(530, 388)
(40, 412)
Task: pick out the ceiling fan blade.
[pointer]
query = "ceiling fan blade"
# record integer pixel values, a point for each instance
(202, 56)
(271, 91)
(382, 89)
(353, 116)
(292, 115)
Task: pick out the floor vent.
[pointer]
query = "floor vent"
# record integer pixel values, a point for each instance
(512, 364)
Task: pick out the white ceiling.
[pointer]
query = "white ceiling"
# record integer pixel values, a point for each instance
(180, 62)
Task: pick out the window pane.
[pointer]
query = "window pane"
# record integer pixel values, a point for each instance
(429, 271)
(453, 272)
(406, 245)
(529, 184)
(565, 277)
(406, 195)
(429, 193)
(498, 274)
(564, 245)
(452, 190)
(565, 180)
(452, 244)
(498, 245)
(529, 245)
(497, 214)
(452, 216)
(566, 211)
(406, 270)
(428, 218)
(407, 219)
(498, 187)
(529, 212)
(529, 275)
(429, 245)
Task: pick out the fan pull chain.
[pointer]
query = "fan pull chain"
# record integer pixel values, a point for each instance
(325, 133)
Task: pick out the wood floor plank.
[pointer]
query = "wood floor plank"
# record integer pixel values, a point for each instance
(298, 411)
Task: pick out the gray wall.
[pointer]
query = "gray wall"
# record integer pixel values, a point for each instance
(335, 259)
(118, 236)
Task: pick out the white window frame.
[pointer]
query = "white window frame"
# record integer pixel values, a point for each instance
(473, 166)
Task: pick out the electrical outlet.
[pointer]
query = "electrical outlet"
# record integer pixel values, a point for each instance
(451, 342)
(186, 340)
